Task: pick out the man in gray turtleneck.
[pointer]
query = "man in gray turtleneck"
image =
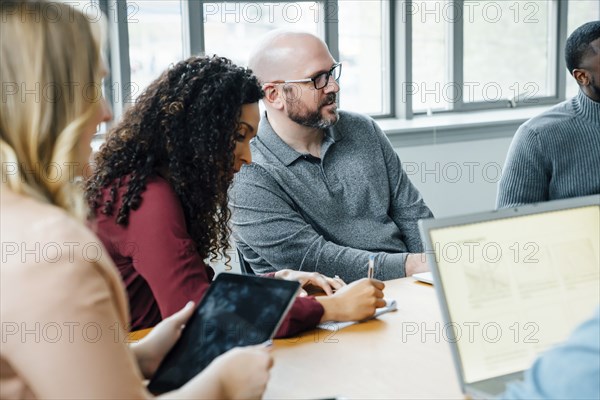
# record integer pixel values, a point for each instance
(556, 155)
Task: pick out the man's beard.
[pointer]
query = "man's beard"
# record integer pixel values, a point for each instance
(298, 113)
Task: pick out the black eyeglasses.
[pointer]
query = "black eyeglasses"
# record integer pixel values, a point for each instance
(321, 80)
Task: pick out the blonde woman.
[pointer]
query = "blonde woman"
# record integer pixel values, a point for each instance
(63, 309)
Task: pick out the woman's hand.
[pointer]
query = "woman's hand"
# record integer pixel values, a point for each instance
(311, 279)
(354, 302)
(243, 372)
(151, 350)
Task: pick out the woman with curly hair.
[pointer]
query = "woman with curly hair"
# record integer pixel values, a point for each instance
(50, 286)
(159, 195)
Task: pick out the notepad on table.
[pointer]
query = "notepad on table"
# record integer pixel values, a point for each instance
(390, 305)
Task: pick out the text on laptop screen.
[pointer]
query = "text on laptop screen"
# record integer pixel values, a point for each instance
(516, 286)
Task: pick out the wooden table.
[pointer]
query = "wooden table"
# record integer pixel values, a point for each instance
(138, 335)
(403, 354)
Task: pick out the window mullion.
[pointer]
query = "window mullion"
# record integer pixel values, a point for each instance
(331, 27)
(193, 27)
(401, 47)
(387, 95)
(456, 55)
(560, 21)
(119, 92)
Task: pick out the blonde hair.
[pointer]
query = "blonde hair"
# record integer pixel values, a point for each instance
(49, 64)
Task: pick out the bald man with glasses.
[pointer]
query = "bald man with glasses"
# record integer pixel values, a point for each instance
(326, 191)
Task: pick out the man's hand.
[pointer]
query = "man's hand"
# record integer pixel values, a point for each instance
(311, 279)
(416, 263)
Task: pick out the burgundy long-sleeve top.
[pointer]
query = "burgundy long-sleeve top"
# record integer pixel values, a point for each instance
(159, 263)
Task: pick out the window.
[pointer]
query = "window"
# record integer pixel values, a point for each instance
(232, 29)
(508, 52)
(481, 54)
(155, 40)
(158, 34)
(450, 55)
(364, 49)
(430, 41)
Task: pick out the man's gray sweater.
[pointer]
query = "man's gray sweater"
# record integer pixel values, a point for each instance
(328, 214)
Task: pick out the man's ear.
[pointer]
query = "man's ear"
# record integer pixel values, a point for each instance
(273, 97)
(581, 76)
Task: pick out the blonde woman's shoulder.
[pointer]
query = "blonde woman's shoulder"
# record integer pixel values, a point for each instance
(49, 256)
(64, 308)
(26, 219)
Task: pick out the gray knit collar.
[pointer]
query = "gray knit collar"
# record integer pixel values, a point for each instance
(587, 108)
(281, 149)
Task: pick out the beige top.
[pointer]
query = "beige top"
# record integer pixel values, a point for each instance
(62, 307)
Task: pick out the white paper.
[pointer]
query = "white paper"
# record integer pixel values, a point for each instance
(390, 305)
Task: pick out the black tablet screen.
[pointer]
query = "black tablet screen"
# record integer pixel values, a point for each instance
(237, 310)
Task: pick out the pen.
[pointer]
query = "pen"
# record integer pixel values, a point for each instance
(371, 270)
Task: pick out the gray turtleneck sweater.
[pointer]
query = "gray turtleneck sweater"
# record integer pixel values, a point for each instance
(555, 155)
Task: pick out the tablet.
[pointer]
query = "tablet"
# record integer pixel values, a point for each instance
(237, 310)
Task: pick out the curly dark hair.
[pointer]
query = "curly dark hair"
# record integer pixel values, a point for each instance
(185, 122)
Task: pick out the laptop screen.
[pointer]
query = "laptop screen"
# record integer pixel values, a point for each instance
(516, 285)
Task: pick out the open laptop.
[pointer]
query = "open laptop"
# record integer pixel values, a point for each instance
(512, 283)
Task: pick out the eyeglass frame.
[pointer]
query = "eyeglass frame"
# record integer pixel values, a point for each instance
(314, 78)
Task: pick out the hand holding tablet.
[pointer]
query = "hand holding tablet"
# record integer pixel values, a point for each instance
(237, 310)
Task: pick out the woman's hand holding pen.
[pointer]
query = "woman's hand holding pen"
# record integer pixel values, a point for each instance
(353, 302)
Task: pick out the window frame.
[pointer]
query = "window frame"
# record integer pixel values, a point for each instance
(396, 36)
(557, 38)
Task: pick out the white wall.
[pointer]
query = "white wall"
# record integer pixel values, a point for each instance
(457, 178)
